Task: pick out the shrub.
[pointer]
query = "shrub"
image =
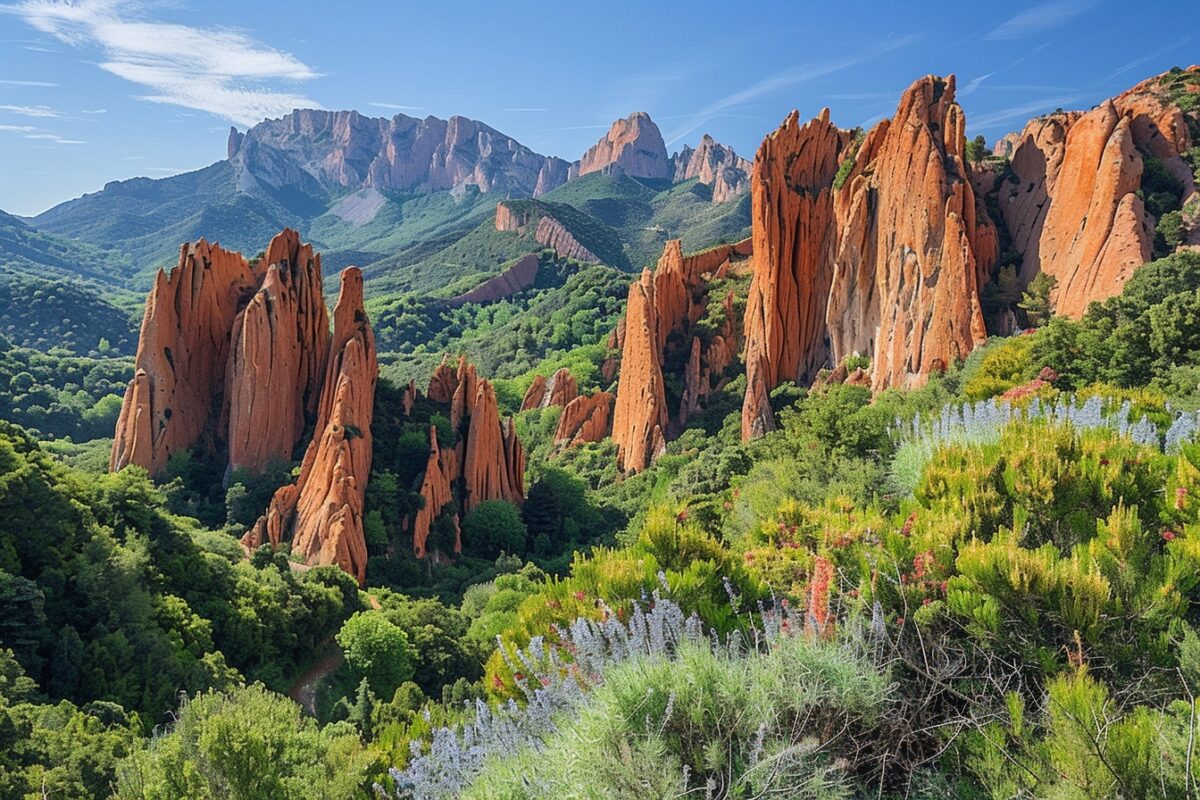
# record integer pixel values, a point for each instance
(493, 527)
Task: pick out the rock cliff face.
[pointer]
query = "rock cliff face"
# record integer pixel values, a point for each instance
(713, 164)
(322, 513)
(1071, 202)
(231, 355)
(633, 146)
(548, 231)
(795, 242)
(487, 463)
(237, 357)
(909, 225)
(874, 247)
(279, 345)
(182, 356)
(669, 301)
(558, 390)
(517, 278)
(346, 149)
(584, 419)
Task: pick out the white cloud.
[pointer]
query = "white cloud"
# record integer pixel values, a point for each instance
(1137, 62)
(94, 111)
(1040, 18)
(40, 84)
(37, 134)
(44, 112)
(222, 72)
(1022, 111)
(785, 80)
(396, 107)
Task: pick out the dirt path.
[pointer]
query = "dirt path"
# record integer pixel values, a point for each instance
(304, 689)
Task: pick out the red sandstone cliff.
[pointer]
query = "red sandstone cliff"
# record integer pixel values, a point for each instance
(1072, 205)
(322, 513)
(669, 300)
(488, 461)
(887, 263)
(795, 242)
(584, 419)
(231, 354)
(633, 145)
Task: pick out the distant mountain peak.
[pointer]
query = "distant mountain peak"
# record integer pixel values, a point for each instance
(633, 146)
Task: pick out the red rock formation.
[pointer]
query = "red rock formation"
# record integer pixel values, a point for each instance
(888, 263)
(561, 388)
(715, 165)
(182, 356)
(795, 242)
(534, 394)
(441, 471)
(551, 233)
(1072, 205)
(906, 278)
(488, 462)
(633, 145)
(585, 419)
(322, 512)
(548, 231)
(231, 354)
(671, 299)
(641, 410)
(517, 278)
(280, 342)
(615, 343)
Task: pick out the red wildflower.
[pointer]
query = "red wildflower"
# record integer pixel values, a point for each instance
(1180, 496)
(906, 531)
(1168, 536)
(900, 621)
(922, 562)
(682, 516)
(497, 682)
(926, 601)
(580, 595)
(818, 596)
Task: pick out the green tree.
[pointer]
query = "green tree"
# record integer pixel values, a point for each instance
(1036, 301)
(378, 650)
(248, 744)
(492, 527)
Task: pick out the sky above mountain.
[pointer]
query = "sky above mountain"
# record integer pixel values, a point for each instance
(100, 90)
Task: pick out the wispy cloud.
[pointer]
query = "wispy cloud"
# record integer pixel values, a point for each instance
(43, 112)
(94, 111)
(1040, 18)
(41, 84)
(37, 134)
(396, 107)
(1022, 111)
(784, 80)
(1137, 62)
(974, 84)
(222, 72)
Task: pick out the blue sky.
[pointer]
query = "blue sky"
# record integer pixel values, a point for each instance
(99, 90)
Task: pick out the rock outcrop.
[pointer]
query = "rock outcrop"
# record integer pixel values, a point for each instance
(1071, 199)
(557, 390)
(322, 513)
(909, 226)
(231, 356)
(715, 165)
(486, 463)
(279, 345)
(236, 357)
(795, 237)
(517, 278)
(870, 247)
(548, 230)
(669, 300)
(633, 146)
(584, 419)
